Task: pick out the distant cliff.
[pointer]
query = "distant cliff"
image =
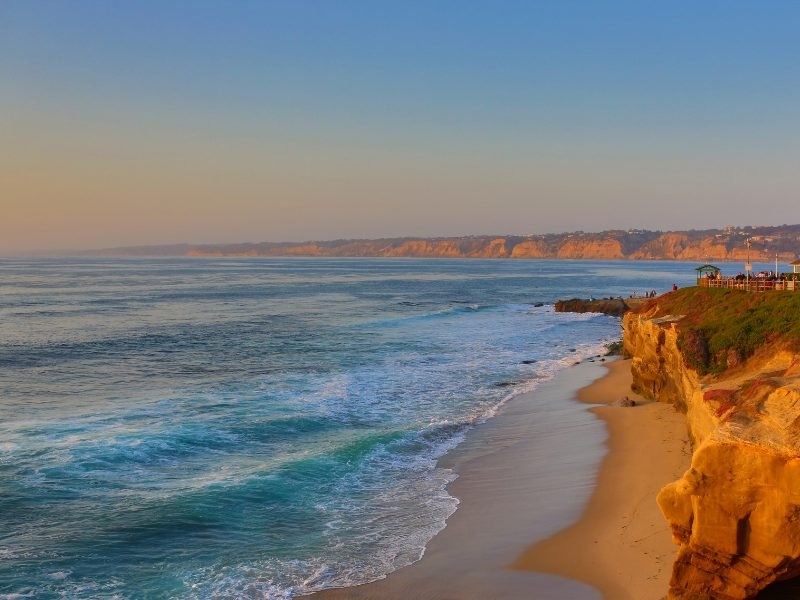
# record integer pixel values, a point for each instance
(730, 361)
(708, 245)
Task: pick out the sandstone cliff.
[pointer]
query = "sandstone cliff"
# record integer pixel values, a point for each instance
(587, 248)
(705, 245)
(736, 513)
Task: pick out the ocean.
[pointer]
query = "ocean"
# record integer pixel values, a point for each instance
(261, 428)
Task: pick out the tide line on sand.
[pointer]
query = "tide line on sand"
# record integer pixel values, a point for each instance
(622, 544)
(535, 518)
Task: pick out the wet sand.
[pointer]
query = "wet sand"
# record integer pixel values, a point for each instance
(530, 472)
(622, 544)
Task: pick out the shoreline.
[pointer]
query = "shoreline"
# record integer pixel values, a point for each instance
(534, 485)
(522, 475)
(622, 545)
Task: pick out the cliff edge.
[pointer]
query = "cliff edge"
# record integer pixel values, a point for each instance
(729, 361)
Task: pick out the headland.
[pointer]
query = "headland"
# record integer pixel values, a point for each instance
(729, 360)
(726, 244)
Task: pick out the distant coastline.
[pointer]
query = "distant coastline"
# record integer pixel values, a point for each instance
(726, 244)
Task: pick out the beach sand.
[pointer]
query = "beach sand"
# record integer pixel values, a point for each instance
(530, 472)
(622, 544)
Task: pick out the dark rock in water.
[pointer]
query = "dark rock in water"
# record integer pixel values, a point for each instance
(615, 306)
(538, 304)
(625, 402)
(527, 362)
(573, 350)
(502, 384)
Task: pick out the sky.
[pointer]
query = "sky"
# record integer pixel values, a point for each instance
(165, 121)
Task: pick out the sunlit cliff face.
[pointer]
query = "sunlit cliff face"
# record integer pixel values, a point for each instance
(733, 513)
(603, 246)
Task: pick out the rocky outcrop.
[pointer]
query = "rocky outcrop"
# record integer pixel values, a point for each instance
(609, 306)
(736, 512)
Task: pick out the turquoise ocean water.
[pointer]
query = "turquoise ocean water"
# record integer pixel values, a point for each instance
(260, 428)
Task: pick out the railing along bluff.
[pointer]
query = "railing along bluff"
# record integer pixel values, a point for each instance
(755, 284)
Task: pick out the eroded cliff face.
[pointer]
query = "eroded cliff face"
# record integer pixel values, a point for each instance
(677, 246)
(736, 512)
(605, 245)
(587, 249)
(530, 249)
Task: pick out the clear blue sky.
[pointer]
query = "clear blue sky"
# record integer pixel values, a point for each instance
(156, 122)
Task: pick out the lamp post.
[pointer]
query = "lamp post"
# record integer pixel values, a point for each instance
(748, 266)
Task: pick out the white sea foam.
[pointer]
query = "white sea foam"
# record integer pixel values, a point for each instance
(429, 489)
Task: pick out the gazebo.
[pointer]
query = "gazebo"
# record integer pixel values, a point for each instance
(795, 266)
(706, 270)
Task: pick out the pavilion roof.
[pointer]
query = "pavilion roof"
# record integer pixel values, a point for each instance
(707, 268)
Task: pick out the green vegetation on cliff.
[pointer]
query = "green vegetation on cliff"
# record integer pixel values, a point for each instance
(721, 328)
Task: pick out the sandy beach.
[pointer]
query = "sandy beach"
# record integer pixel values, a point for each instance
(622, 544)
(531, 472)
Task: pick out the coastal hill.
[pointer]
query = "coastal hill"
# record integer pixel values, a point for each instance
(731, 362)
(727, 244)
